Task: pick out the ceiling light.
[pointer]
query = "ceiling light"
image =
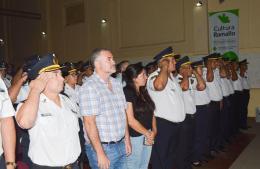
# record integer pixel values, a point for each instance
(103, 21)
(199, 4)
(1, 41)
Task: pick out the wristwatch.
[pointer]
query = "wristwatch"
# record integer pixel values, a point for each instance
(11, 163)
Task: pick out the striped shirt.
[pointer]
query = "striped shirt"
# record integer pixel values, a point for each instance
(95, 99)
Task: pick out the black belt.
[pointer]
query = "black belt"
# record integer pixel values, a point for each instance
(190, 115)
(69, 166)
(215, 102)
(113, 142)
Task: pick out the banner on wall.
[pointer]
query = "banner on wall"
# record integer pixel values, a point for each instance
(224, 33)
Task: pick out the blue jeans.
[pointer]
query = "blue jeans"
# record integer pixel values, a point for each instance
(115, 153)
(140, 157)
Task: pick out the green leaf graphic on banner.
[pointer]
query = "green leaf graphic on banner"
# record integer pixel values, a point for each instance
(223, 18)
(232, 56)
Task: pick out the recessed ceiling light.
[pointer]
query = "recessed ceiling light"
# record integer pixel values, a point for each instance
(103, 21)
(199, 4)
(43, 33)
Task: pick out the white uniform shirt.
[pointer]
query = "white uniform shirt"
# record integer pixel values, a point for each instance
(54, 139)
(230, 86)
(224, 87)
(74, 97)
(6, 107)
(23, 93)
(189, 103)
(7, 82)
(200, 97)
(72, 93)
(84, 79)
(214, 90)
(245, 82)
(168, 102)
(237, 84)
(120, 78)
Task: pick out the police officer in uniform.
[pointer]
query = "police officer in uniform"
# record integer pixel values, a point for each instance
(69, 72)
(7, 129)
(167, 95)
(237, 83)
(212, 81)
(202, 101)
(228, 93)
(246, 92)
(71, 90)
(51, 118)
(3, 66)
(185, 72)
(85, 72)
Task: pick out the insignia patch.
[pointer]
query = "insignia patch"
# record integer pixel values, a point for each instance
(46, 114)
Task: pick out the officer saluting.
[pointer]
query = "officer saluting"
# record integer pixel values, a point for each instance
(246, 92)
(202, 101)
(167, 95)
(50, 117)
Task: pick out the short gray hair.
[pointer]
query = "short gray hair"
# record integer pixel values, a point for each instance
(95, 54)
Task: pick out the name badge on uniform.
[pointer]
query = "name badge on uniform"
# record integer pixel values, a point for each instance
(46, 114)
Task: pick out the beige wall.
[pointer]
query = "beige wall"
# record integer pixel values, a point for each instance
(135, 30)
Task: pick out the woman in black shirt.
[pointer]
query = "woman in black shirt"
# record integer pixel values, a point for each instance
(140, 116)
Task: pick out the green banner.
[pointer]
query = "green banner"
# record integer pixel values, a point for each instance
(223, 33)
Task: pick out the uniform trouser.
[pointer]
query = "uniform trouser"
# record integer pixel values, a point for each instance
(224, 120)
(231, 119)
(237, 110)
(164, 150)
(186, 142)
(244, 113)
(200, 145)
(214, 125)
(2, 162)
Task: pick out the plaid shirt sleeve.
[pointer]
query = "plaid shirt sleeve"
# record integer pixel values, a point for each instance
(88, 101)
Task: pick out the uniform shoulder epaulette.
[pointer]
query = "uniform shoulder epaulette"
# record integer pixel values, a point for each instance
(64, 94)
(153, 77)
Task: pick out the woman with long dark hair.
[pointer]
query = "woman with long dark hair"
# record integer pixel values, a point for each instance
(140, 116)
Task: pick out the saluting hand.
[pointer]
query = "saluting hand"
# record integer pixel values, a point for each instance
(24, 77)
(40, 82)
(164, 64)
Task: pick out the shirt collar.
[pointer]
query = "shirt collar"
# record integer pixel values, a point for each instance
(100, 79)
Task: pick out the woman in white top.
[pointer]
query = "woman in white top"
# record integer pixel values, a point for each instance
(51, 118)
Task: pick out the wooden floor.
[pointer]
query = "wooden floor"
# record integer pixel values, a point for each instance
(225, 160)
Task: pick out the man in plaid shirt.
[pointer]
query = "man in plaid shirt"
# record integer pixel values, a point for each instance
(103, 104)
